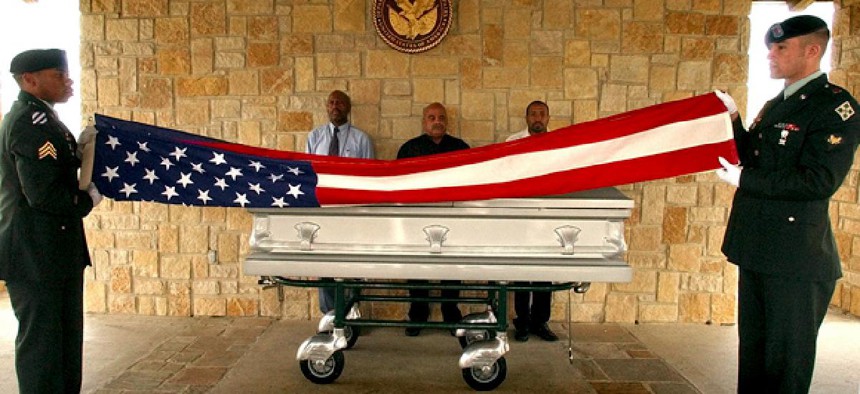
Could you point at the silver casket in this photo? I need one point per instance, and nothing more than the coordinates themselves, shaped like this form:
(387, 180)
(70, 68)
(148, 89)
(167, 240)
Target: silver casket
(563, 238)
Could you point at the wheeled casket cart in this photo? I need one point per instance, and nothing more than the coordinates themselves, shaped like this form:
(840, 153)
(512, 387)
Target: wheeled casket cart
(493, 245)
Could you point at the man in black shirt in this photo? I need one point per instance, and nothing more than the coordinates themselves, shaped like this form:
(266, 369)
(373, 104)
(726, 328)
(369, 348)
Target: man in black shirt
(435, 139)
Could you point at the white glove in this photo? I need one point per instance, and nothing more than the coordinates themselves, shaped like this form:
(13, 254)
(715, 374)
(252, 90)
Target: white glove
(94, 194)
(727, 100)
(88, 136)
(730, 173)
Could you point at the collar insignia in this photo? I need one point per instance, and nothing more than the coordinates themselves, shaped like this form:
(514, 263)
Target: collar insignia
(845, 111)
(47, 150)
(39, 117)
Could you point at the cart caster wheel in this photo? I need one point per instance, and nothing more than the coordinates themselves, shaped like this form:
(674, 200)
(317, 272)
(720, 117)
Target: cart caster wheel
(487, 379)
(324, 372)
(352, 334)
(473, 336)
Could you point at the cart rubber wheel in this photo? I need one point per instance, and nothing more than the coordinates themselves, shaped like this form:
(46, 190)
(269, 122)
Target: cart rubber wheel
(352, 333)
(467, 339)
(481, 380)
(325, 373)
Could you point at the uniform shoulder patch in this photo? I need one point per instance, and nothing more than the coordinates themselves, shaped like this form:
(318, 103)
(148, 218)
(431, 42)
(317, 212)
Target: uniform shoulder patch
(47, 150)
(845, 111)
(39, 117)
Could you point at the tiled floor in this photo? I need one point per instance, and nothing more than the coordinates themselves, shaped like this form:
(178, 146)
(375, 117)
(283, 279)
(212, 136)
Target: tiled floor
(134, 354)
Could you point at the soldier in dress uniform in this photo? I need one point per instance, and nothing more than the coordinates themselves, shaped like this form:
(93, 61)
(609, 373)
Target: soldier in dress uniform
(43, 250)
(793, 159)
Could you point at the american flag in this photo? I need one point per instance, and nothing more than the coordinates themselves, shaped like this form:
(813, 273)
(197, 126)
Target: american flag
(139, 162)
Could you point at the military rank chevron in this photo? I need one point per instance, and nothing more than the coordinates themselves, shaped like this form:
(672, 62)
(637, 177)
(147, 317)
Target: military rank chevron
(47, 150)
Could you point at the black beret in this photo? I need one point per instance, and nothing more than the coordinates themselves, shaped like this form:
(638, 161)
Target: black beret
(38, 59)
(800, 25)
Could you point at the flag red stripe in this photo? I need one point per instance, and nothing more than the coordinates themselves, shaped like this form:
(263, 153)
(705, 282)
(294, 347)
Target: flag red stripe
(612, 127)
(617, 173)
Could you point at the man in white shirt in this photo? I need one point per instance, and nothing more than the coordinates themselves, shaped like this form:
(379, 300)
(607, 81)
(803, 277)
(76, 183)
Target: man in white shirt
(533, 307)
(338, 138)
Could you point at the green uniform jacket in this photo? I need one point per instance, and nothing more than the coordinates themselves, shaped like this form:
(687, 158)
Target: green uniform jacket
(795, 156)
(41, 209)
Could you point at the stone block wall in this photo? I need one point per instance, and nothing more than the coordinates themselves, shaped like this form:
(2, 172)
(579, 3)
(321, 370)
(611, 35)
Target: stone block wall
(258, 72)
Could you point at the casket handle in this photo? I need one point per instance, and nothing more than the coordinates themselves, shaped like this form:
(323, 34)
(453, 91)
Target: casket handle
(436, 234)
(567, 236)
(307, 233)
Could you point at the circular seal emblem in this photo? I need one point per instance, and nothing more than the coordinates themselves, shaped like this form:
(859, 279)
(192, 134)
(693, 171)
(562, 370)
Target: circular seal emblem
(412, 26)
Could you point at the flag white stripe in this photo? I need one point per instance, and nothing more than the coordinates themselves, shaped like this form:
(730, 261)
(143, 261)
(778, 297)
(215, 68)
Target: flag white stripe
(663, 139)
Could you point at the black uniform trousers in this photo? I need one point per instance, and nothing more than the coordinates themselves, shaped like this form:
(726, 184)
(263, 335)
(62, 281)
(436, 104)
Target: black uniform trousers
(50, 337)
(778, 321)
(419, 311)
(532, 307)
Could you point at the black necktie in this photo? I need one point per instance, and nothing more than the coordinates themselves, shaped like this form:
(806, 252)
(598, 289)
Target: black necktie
(334, 146)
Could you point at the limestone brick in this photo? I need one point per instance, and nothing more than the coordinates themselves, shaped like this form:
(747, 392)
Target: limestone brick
(192, 112)
(338, 65)
(584, 110)
(399, 107)
(722, 25)
(123, 30)
(598, 24)
(262, 54)
(193, 239)
(613, 99)
(242, 306)
(708, 214)
(694, 75)
(365, 91)
(723, 308)
(646, 238)
(105, 6)
(168, 238)
(644, 281)
(179, 306)
(207, 19)
(249, 7)
(705, 282)
(228, 60)
(682, 195)
(145, 8)
(349, 15)
(684, 257)
(238, 220)
(668, 285)
(228, 248)
(171, 30)
(628, 69)
(694, 307)
(675, 225)
(580, 83)
(641, 37)
(476, 130)
(729, 69)
(471, 73)
(429, 90)
(658, 313)
(121, 304)
(243, 82)
(697, 48)
(145, 263)
(173, 61)
(295, 121)
(276, 80)
(263, 28)
(206, 287)
(477, 105)
(297, 44)
(621, 308)
(587, 312)
(210, 307)
(662, 78)
(149, 287)
(577, 53)
(546, 71)
(685, 23)
(312, 19)
(126, 240)
(468, 15)
(95, 297)
(201, 86)
(648, 10)
(175, 267)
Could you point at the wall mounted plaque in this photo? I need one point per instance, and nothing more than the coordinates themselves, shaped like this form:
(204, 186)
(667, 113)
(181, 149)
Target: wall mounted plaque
(412, 26)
